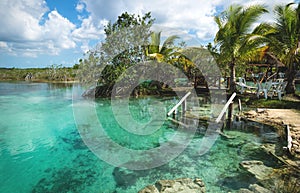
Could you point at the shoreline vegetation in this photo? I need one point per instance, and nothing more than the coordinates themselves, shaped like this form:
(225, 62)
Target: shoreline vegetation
(53, 74)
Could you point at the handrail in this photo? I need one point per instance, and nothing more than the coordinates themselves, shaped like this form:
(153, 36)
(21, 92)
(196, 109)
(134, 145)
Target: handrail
(179, 103)
(225, 107)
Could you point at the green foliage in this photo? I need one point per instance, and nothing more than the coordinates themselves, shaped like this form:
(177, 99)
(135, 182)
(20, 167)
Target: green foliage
(124, 46)
(162, 53)
(283, 39)
(51, 73)
(126, 21)
(277, 104)
(234, 40)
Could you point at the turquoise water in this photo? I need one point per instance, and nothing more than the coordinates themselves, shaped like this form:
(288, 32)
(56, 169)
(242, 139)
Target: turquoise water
(41, 149)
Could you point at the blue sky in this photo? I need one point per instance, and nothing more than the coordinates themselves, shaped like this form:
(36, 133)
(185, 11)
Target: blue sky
(39, 33)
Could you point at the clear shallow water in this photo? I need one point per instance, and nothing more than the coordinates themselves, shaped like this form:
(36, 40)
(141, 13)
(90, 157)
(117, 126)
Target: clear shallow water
(41, 149)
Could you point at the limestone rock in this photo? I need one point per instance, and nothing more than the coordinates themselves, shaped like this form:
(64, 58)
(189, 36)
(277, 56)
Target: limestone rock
(250, 114)
(183, 185)
(243, 190)
(149, 189)
(258, 110)
(258, 189)
(254, 188)
(258, 169)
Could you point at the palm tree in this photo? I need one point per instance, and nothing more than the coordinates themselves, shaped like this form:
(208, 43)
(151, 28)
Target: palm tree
(162, 53)
(284, 40)
(234, 39)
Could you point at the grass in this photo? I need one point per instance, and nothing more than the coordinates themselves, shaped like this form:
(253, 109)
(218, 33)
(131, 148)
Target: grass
(276, 104)
(288, 102)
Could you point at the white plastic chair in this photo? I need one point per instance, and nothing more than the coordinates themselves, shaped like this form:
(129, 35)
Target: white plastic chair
(264, 89)
(268, 89)
(282, 90)
(260, 89)
(279, 90)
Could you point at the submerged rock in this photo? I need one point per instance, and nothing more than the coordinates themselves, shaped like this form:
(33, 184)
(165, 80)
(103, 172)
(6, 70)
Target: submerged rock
(258, 169)
(183, 185)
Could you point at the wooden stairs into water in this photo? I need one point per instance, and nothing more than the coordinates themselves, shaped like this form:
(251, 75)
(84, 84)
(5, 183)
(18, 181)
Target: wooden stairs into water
(190, 116)
(195, 112)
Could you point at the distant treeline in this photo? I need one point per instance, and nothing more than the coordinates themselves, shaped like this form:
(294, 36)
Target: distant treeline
(52, 73)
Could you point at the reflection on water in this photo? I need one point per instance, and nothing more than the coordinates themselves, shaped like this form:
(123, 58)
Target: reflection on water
(41, 149)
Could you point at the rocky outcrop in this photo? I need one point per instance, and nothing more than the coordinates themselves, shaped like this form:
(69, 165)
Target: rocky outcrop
(281, 118)
(183, 185)
(254, 188)
(258, 169)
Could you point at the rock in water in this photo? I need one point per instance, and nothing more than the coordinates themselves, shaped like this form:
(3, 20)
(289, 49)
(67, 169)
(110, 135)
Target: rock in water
(183, 185)
(258, 169)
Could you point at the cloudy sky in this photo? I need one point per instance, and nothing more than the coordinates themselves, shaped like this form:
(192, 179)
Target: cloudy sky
(39, 33)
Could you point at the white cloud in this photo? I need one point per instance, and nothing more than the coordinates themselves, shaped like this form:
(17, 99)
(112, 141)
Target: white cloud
(59, 29)
(22, 28)
(89, 29)
(80, 7)
(196, 15)
(175, 15)
(20, 19)
(3, 44)
(29, 28)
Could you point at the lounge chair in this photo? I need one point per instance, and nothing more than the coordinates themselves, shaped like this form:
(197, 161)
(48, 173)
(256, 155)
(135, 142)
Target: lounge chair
(242, 84)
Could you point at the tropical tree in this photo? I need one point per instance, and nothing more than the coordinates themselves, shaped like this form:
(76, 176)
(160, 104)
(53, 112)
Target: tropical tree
(284, 39)
(124, 46)
(162, 53)
(234, 40)
(169, 53)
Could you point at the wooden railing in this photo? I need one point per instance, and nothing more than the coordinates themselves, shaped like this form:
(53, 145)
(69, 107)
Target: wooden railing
(181, 102)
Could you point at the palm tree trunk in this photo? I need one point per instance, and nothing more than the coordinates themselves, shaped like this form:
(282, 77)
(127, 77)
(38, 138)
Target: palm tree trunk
(232, 77)
(290, 87)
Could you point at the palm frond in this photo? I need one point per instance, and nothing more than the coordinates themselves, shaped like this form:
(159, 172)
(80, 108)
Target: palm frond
(169, 42)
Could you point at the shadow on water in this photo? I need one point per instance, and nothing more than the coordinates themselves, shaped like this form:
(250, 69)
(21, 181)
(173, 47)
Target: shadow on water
(236, 182)
(78, 176)
(68, 179)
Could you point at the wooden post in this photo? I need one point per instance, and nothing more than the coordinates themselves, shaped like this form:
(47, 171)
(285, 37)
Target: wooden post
(228, 82)
(184, 107)
(240, 105)
(229, 116)
(174, 113)
(289, 139)
(238, 117)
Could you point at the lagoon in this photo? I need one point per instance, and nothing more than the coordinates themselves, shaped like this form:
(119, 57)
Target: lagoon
(42, 149)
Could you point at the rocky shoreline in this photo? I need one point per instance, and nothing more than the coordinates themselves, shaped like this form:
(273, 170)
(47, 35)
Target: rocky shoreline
(283, 179)
(182, 185)
(280, 119)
